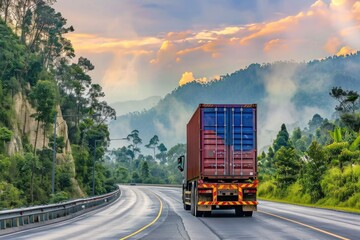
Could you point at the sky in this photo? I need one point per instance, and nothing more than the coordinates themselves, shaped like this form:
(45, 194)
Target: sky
(143, 48)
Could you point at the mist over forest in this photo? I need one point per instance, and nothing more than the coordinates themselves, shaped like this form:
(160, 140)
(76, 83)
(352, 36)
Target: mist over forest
(286, 92)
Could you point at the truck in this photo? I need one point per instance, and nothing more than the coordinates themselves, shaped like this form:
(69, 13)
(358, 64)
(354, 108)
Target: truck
(220, 168)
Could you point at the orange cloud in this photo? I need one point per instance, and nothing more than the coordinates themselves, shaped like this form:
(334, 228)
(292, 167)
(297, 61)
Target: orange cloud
(178, 35)
(186, 78)
(189, 77)
(94, 43)
(271, 45)
(332, 45)
(345, 51)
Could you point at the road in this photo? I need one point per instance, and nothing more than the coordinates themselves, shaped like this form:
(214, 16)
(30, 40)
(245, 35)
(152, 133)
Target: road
(144, 212)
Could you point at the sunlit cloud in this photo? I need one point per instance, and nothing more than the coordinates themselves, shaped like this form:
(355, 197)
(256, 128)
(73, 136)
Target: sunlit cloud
(345, 51)
(189, 77)
(94, 43)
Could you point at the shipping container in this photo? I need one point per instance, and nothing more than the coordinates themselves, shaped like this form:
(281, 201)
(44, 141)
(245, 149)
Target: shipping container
(221, 142)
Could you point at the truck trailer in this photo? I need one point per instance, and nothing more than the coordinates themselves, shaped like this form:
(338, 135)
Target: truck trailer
(220, 168)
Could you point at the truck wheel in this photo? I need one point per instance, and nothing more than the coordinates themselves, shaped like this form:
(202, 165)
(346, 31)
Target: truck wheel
(239, 212)
(197, 213)
(207, 214)
(187, 207)
(248, 214)
(192, 206)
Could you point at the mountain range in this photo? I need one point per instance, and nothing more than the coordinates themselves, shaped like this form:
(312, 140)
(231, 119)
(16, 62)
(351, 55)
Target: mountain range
(123, 108)
(286, 92)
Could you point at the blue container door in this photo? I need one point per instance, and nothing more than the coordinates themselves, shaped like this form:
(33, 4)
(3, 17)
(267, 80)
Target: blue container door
(228, 141)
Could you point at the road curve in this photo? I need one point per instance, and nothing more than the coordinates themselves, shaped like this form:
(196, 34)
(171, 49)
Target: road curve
(147, 212)
(135, 209)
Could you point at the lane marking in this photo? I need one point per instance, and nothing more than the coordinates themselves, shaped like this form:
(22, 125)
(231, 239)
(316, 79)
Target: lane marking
(305, 225)
(145, 227)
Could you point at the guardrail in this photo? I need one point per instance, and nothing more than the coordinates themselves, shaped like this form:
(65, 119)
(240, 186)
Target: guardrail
(25, 218)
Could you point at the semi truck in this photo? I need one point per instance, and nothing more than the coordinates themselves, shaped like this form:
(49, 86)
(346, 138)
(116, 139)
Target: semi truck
(220, 168)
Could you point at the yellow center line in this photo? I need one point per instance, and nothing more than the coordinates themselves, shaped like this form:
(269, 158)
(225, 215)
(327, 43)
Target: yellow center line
(305, 225)
(145, 227)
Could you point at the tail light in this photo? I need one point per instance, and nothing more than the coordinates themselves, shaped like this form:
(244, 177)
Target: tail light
(250, 191)
(205, 191)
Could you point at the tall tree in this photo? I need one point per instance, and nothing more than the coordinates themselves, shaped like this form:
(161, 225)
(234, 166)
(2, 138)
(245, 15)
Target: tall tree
(162, 155)
(153, 143)
(282, 139)
(44, 94)
(287, 166)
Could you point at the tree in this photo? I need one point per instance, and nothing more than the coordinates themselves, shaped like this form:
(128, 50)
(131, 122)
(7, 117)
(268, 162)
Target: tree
(349, 103)
(162, 154)
(144, 170)
(315, 122)
(348, 99)
(153, 143)
(44, 95)
(314, 170)
(134, 140)
(33, 165)
(282, 139)
(287, 166)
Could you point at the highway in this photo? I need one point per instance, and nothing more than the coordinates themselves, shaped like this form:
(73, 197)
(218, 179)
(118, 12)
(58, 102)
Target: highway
(147, 212)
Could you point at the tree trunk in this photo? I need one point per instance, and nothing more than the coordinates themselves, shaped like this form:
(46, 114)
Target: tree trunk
(32, 184)
(36, 136)
(24, 126)
(44, 129)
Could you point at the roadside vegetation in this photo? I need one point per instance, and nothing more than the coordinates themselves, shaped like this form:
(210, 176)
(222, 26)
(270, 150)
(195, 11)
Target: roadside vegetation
(130, 165)
(38, 63)
(318, 165)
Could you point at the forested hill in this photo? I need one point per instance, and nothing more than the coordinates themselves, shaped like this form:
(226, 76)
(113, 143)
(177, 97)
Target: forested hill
(41, 80)
(285, 92)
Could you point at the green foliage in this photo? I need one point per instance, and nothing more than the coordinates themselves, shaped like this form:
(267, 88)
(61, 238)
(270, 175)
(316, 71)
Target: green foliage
(282, 139)
(5, 134)
(59, 197)
(324, 170)
(287, 166)
(10, 196)
(313, 171)
(315, 122)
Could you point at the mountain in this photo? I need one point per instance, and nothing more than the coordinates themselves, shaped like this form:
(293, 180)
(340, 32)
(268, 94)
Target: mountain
(123, 108)
(286, 92)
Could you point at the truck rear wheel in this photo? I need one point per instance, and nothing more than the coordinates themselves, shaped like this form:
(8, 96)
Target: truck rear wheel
(248, 214)
(239, 212)
(194, 200)
(197, 213)
(187, 207)
(192, 206)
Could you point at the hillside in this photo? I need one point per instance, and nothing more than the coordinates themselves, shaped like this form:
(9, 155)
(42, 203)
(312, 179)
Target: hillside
(286, 92)
(51, 114)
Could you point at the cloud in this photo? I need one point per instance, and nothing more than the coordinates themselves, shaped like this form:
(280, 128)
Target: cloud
(274, 45)
(345, 51)
(166, 53)
(145, 56)
(332, 45)
(94, 43)
(189, 77)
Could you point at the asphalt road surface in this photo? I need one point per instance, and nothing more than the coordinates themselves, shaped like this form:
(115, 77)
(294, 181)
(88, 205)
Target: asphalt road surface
(147, 212)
